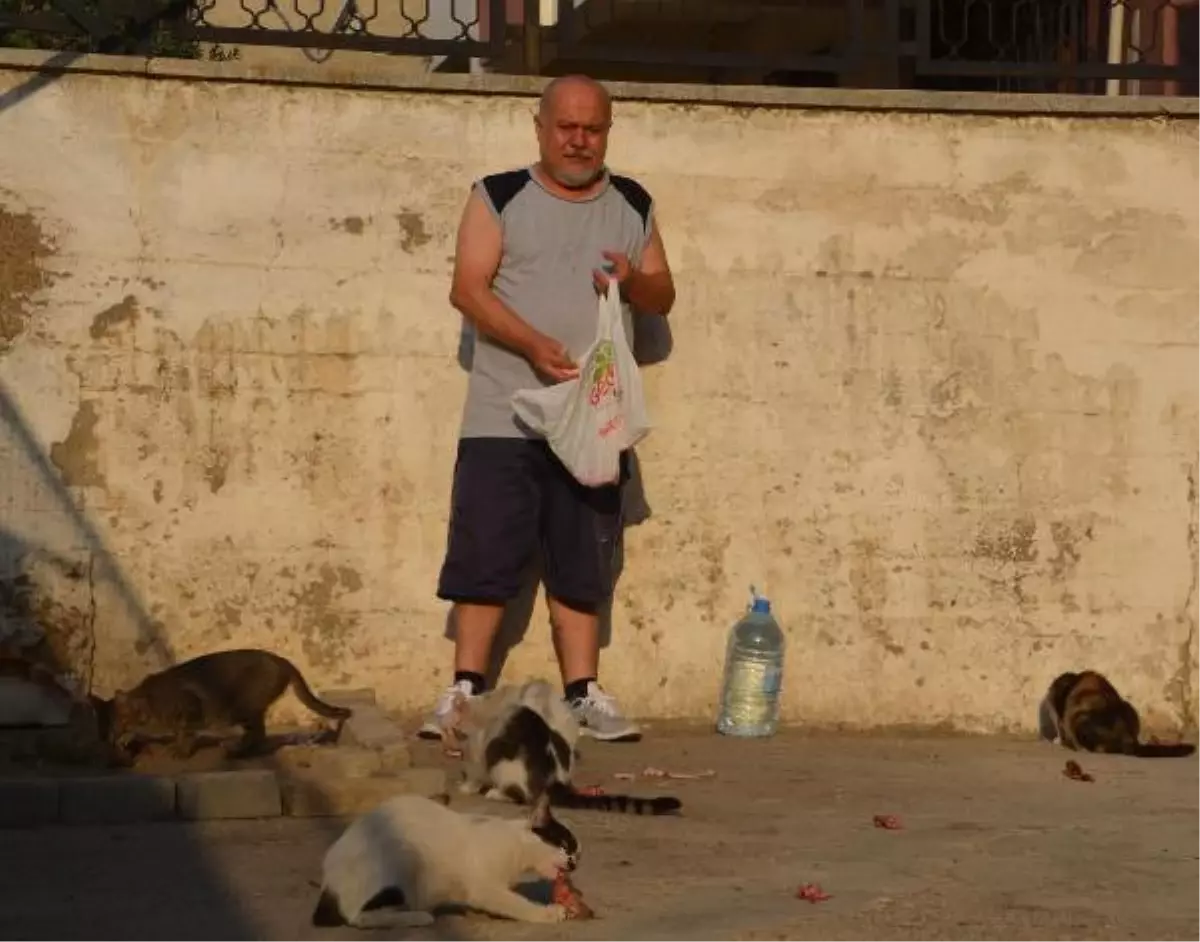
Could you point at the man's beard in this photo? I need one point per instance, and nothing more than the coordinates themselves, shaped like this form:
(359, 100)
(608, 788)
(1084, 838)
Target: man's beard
(578, 181)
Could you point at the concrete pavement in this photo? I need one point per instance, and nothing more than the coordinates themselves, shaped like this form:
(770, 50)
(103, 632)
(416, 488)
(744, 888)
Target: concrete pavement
(996, 843)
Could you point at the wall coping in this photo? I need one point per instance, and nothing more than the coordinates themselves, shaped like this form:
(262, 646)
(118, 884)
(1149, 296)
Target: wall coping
(384, 76)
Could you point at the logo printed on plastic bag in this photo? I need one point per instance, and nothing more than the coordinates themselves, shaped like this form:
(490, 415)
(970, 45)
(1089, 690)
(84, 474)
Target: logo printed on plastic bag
(604, 374)
(605, 386)
(589, 420)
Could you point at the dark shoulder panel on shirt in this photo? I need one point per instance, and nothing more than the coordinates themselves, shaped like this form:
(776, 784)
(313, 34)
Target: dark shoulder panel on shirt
(635, 195)
(502, 188)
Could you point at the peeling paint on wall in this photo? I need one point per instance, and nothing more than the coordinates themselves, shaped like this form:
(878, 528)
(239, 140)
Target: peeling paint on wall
(77, 456)
(323, 624)
(412, 231)
(215, 467)
(106, 323)
(1009, 541)
(48, 611)
(24, 252)
(351, 224)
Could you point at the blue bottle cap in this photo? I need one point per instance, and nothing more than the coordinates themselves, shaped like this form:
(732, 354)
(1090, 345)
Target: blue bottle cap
(761, 605)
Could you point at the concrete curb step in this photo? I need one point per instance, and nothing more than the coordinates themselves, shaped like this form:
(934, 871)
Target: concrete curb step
(201, 796)
(373, 764)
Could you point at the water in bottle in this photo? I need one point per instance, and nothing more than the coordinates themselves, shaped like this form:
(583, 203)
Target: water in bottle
(753, 673)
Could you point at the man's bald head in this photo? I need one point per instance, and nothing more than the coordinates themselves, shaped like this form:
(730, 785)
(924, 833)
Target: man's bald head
(571, 86)
(572, 121)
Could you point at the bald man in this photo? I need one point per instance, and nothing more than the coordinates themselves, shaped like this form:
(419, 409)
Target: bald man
(535, 245)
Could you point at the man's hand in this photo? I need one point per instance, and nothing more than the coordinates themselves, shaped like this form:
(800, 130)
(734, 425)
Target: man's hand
(551, 359)
(621, 272)
(649, 287)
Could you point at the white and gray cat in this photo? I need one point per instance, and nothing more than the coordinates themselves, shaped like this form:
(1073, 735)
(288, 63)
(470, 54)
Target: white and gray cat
(521, 745)
(410, 855)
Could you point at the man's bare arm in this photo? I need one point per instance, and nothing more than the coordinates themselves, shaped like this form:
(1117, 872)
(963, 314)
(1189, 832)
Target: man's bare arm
(650, 287)
(476, 260)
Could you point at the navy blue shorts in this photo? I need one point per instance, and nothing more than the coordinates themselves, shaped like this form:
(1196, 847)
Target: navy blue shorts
(512, 497)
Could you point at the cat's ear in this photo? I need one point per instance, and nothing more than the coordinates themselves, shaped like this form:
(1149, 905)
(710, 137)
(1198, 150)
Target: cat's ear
(540, 816)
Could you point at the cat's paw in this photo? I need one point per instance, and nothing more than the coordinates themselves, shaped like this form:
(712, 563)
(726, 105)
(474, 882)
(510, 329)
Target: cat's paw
(555, 912)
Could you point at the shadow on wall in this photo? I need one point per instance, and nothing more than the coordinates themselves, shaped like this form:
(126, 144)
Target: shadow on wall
(34, 621)
(52, 562)
(47, 73)
(653, 343)
(49, 537)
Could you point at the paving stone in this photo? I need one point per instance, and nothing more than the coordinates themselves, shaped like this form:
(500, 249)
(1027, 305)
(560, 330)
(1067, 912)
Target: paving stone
(249, 793)
(349, 697)
(370, 727)
(328, 761)
(394, 758)
(310, 797)
(116, 799)
(28, 802)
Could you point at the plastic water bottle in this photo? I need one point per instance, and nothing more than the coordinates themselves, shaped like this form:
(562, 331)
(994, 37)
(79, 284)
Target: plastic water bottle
(753, 673)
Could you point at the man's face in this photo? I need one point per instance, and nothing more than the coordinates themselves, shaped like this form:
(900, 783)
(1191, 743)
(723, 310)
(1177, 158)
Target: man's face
(573, 134)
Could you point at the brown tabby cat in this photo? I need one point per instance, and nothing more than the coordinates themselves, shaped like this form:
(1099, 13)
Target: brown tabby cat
(1084, 712)
(212, 691)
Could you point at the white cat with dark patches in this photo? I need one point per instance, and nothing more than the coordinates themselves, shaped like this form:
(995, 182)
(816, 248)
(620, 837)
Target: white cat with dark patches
(399, 862)
(539, 731)
(521, 745)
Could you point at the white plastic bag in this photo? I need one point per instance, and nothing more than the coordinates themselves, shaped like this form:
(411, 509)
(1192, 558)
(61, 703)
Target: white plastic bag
(590, 420)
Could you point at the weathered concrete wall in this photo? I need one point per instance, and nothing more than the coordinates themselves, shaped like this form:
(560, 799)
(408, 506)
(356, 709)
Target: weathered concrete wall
(933, 387)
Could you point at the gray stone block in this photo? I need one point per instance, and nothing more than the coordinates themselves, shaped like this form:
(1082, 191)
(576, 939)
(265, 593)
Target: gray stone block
(116, 799)
(28, 802)
(250, 793)
(328, 761)
(349, 697)
(432, 783)
(311, 797)
(394, 758)
(370, 728)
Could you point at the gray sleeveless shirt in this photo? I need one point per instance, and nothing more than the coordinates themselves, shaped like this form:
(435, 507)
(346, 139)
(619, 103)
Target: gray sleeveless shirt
(550, 247)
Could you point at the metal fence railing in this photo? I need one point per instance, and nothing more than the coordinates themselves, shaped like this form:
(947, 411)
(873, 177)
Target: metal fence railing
(1081, 46)
(805, 37)
(1055, 45)
(177, 27)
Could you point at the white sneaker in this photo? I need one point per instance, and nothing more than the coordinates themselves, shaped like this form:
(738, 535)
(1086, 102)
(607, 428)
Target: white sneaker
(599, 717)
(435, 723)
